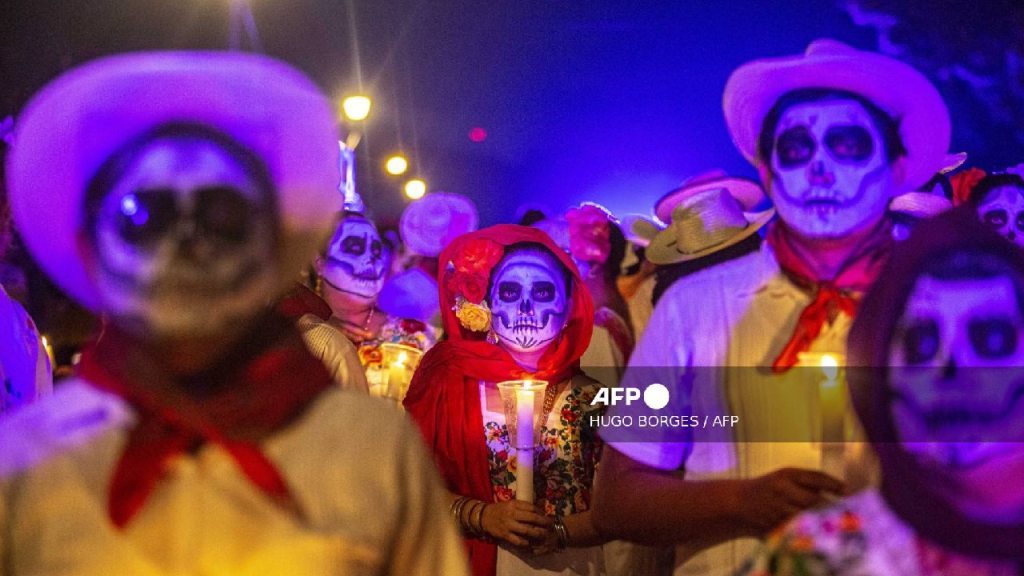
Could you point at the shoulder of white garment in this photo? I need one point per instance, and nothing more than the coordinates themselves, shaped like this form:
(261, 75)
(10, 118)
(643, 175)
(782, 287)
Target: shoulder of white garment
(740, 276)
(75, 414)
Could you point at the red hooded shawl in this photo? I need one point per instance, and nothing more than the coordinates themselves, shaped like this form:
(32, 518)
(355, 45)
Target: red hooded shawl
(444, 396)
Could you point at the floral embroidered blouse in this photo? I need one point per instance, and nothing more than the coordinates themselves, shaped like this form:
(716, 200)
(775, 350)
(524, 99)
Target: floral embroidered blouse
(859, 536)
(568, 449)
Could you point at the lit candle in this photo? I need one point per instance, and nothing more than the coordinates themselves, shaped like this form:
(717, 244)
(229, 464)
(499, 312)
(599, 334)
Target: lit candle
(832, 399)
(397, 376)
(524, 442)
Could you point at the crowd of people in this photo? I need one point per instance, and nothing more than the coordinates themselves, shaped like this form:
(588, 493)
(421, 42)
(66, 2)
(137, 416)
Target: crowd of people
(278, 385)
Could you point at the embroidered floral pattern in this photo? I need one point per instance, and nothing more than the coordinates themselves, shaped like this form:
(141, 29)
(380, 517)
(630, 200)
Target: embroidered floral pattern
(566, 458)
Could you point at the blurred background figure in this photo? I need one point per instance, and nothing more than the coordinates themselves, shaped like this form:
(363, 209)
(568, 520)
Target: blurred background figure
(25, 366)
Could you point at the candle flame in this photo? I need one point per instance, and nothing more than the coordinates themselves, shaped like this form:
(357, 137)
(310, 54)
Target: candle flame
(830, 367)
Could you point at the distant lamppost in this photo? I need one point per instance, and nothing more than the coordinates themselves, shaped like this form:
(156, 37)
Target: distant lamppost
(415, 189)
(396, 165)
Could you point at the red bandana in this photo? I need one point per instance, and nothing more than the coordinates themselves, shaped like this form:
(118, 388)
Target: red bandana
(444, 397)
(842, 293)
(264, 385)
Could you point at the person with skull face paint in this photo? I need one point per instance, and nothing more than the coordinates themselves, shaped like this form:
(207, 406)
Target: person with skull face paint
(937, 356)
(999, 200)
(835, 134)
(351, 275)
(514, 307)
(199, 435)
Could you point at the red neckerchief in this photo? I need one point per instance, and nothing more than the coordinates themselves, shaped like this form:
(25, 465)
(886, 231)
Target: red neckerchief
(444, 396)
(264, 385)
(841, 293)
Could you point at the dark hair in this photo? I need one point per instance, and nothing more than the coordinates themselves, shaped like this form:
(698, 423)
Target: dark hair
(992, 181)
(886, 125)
(616, 253)
(667, 275)
(531, 217)
(114, 167)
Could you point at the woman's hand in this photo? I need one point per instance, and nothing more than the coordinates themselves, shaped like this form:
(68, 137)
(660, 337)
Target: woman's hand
(515, 522)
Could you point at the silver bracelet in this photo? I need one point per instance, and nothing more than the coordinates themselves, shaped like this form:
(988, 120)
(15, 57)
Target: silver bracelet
(562, 534)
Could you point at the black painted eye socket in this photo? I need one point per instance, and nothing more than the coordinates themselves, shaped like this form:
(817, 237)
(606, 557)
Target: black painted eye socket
(920, 342)
(353, 245)
(543, 292)
(993, 338)
(376, 248)
(850, 143)
(995, 218)
(224, 213)
(795, 147)
(1020, 221)
(144, 217)
(509, 291)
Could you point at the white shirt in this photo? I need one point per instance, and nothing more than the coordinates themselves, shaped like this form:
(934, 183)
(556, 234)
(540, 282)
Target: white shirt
(372, 498)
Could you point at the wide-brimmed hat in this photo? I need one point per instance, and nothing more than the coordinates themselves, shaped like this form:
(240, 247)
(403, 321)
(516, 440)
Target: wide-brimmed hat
(430, 223)
(410, 294)
(703, 224)
(74, 124)
(640, 229)
(749, 193)
(894, 86)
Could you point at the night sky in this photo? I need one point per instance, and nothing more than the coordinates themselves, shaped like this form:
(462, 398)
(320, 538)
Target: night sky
(614, 102)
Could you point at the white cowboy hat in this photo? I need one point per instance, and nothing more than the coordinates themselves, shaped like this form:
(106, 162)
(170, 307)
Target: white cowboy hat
(430, 223)
(896, 87)
(80, 119)
(704, 224)
(749, 193)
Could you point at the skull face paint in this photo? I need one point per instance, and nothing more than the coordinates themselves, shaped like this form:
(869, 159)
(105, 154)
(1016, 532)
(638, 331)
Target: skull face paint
(1002, 209)
(356, 260)
(829, 172)
(958, 389)
(185, 240)
(528, 300)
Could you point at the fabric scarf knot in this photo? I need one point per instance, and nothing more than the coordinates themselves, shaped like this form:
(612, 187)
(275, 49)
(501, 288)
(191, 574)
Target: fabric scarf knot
(268, 388)
(840, 294)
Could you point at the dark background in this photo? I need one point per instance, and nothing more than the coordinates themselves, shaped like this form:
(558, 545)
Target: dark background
(614, 102)
(581, 99)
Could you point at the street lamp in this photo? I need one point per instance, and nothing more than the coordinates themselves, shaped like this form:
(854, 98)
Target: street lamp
(396, 165)
(415, 189)
(356, 107)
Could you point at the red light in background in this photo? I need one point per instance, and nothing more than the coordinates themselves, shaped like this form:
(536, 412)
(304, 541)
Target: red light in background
(477, 134)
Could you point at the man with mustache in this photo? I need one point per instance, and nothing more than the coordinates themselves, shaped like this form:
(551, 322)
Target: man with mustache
(835, 134)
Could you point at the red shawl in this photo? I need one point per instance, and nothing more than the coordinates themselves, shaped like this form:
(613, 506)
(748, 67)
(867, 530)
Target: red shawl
(264, 384)
(444, 396)
(841, 293)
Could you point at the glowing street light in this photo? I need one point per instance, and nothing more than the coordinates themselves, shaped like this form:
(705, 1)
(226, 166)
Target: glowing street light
(415, 189)
(396, 165)
(357, 107)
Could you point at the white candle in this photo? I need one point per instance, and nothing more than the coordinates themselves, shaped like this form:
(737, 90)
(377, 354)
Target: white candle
(524, 443)
(396, 377)
(832, 398)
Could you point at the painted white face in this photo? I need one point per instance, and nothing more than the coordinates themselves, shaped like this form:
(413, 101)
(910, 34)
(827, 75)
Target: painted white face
(185, 242)
(356, 260)
(1002, 209)
(528, 300)
(829, 173)
(957, 378)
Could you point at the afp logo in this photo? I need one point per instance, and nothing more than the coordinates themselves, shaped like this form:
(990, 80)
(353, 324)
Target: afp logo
(655, 396)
